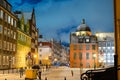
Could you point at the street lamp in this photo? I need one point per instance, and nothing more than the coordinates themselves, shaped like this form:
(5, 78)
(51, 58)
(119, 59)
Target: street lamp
(35, 56)
(94, 56)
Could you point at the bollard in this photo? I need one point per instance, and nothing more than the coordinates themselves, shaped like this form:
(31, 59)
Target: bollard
(45, 78)
(64, 78)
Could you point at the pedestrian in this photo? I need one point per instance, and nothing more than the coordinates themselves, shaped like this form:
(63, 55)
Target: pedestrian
(21, 71)
(39, 74)
(64, 78)
(45, 78)
(72, 72)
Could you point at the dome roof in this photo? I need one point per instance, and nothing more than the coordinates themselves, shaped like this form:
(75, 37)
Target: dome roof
(83, 27)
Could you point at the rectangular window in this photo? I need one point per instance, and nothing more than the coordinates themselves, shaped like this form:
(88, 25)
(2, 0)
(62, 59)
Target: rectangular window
(5, 31)
(14, 36)
(14, 47)
(8, 32)
(74, 56)
(11, 34)
(87, 40)
(80, 47)
(8, 19)
(75, 47)
(7, 61)
(94, 55)
(13, 60)
(0, 59)
(1, 14)
(87, 47)
(9, 8)
(93, 47)
(87, 56)
(0, 44)
(10, 46)
(12, 21)
(0, 28)
(7, 45)
(4, 4)
(80, 55)
(4, 60)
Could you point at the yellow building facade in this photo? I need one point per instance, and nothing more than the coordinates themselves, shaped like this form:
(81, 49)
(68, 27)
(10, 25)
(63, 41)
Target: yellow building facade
(23, 48)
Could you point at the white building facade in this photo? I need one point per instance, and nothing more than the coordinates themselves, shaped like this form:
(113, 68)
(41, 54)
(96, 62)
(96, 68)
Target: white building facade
(106, 49)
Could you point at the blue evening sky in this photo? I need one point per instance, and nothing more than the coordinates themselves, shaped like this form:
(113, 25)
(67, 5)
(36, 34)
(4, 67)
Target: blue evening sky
(57, 18)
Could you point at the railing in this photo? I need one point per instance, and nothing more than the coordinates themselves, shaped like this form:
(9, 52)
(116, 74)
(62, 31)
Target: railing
(100, 74)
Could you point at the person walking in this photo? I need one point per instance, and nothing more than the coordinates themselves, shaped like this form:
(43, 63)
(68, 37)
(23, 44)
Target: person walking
(39, 74)
(72, 72)
(21, 72)
(64, 78)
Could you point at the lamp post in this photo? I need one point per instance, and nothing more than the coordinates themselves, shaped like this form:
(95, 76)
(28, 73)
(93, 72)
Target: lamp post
(94, 57)
(35, 56)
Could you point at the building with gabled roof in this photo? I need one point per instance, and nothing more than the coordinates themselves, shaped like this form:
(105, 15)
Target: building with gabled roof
(27, 46)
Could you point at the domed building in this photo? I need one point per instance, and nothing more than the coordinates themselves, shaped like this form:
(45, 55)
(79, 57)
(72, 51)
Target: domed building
(83, 29)
(83, 48)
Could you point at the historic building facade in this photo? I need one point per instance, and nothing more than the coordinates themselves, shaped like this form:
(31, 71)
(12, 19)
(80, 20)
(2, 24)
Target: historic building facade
(27, 40)
(34, 36)
(23, 42)
(8, 32)
(83, 48)
(45, 52)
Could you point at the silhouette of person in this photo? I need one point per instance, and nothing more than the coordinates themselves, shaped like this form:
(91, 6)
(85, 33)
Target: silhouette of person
(21, 72)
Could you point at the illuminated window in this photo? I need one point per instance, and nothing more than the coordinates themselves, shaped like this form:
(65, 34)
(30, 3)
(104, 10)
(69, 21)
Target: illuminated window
(13, 60)
(8, 19)
(14, 36)
(4, 60)
(1, 14)
(11, 21)
(14, 23)
(87, 40)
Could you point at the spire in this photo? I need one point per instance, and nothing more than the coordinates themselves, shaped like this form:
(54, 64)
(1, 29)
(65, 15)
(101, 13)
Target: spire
(83, 21)
(33, 17)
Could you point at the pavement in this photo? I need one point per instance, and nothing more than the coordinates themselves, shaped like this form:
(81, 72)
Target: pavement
(54, 73)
